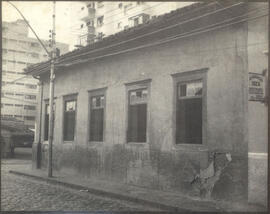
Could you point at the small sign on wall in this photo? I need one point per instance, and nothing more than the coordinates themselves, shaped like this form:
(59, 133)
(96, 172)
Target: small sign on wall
(256, 90)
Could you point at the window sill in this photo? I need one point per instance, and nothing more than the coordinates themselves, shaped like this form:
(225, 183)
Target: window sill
(95, 143)
(191, 147)
(138, 144)
(67, 141)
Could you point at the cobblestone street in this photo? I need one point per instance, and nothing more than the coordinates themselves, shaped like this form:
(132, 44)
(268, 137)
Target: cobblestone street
(20, 193)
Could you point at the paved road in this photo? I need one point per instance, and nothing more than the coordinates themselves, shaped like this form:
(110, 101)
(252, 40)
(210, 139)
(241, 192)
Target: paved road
(20, 193)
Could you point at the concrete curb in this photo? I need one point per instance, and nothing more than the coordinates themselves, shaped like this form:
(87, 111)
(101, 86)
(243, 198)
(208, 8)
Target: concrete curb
(104, 193)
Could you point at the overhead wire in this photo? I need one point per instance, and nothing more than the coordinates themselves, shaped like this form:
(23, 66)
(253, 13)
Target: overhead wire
(107, 12)
(157, 31)
(185, 35)
(129, 14)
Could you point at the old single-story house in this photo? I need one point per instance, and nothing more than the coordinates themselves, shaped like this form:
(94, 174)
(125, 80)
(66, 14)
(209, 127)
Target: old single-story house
(175, 104)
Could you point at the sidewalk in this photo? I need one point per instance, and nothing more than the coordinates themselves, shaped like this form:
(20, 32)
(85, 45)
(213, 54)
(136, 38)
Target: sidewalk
(163, 200)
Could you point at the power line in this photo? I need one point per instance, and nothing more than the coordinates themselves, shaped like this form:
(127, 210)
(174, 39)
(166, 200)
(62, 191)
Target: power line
(156, 31)
(129, 14)
(79, 33)
(170, 39)
(112, 10)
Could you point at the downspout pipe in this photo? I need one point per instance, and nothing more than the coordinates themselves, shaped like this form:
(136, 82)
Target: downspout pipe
(38, 152)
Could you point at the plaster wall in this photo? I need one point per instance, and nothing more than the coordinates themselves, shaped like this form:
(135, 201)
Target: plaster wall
(258, 111)
(160, 163)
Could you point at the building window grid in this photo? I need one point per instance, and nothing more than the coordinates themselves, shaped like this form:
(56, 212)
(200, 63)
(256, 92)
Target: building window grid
(30, 97)
(29, 107)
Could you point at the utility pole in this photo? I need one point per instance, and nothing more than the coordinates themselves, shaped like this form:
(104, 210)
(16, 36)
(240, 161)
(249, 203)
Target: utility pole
(52, 57)
(51, 122)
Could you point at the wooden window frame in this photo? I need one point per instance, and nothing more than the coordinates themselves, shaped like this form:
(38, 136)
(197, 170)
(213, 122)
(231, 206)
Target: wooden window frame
(46, 102)
(69, 97)
(186, 77)
(133, 86)
(93, 93)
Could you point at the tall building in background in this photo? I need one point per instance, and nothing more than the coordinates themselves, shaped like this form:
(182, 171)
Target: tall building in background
(100, 19)
(19, 98)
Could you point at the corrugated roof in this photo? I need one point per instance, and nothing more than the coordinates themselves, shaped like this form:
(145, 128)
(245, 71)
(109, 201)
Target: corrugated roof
(143, 34)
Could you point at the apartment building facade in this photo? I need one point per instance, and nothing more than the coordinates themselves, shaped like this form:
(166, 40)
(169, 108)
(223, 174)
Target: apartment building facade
(103, 18)
(19, 92)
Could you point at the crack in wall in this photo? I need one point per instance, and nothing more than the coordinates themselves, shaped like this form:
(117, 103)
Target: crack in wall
(208, 177)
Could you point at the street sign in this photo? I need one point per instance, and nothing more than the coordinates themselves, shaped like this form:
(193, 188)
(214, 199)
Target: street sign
(256, 90)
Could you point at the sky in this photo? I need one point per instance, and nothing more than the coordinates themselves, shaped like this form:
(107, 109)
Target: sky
(39, 15)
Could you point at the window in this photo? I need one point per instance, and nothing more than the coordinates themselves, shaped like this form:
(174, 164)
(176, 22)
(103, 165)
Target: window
(34, 44)
(30, 97)
(19, 83)
(23, 63)
(91, 5)
(189, 113)
(119, 25)
(97, 105)
(29, 107)
(9, 93)
(11, 72)
(8, 83)
(35, 55)
(136, 21)
(190, 107)
(69, 119)
(100, 4)
(100, 21)
(127, 7)
(29, 118)
(7, 115)
(8, 104)
(18, 105)
(13, 40)
(90, 23)
(19, 95)
(137, 115)
(31, 86)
